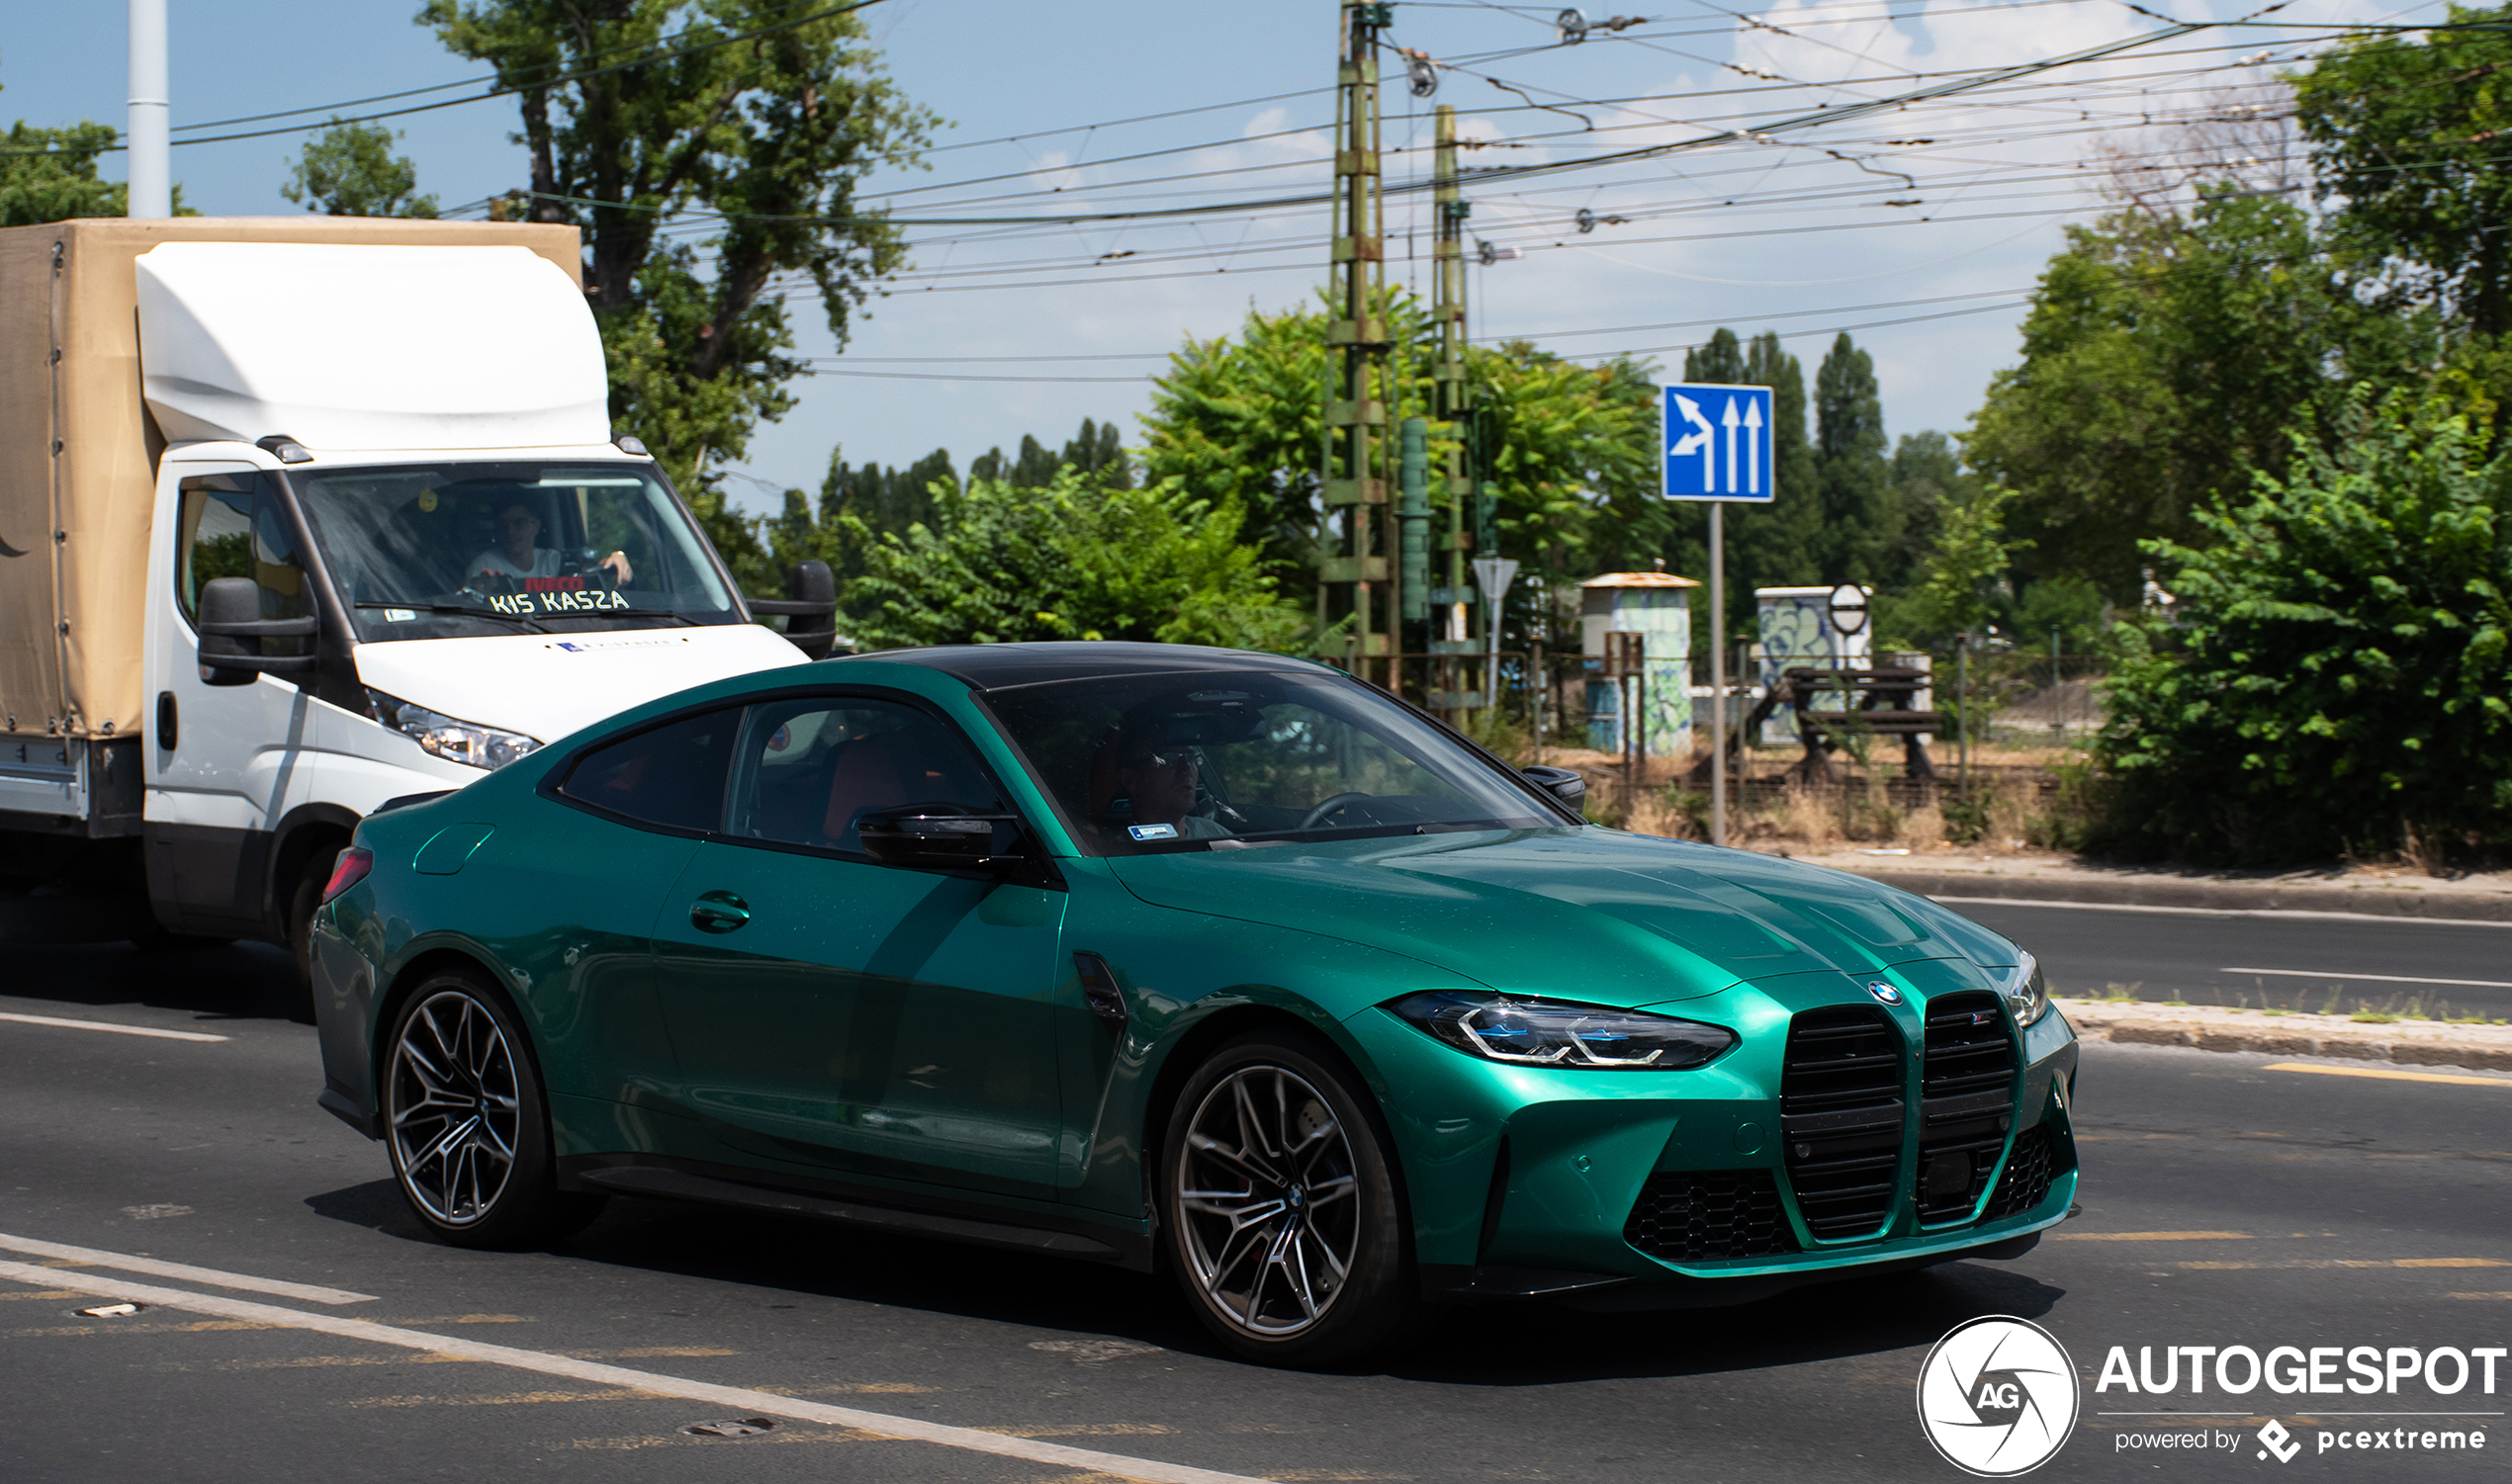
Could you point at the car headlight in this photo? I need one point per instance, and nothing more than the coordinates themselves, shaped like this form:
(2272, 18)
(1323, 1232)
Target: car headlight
(2026, 992)
(466, 743)
(1562, 1033)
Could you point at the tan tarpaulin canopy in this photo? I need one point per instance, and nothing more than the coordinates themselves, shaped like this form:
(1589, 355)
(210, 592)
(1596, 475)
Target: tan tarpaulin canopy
(78, 450)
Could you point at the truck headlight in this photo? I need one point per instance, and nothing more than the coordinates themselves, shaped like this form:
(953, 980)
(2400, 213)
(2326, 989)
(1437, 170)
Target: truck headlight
(2025, 991)
(1563, 1033)
(466, 743)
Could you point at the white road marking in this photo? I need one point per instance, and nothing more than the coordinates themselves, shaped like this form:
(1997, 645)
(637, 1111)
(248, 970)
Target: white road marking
(2389, 1076)
(2324, 974)
(96, 1258)
(124, 1030)
(2394, 919)
(739, 1400)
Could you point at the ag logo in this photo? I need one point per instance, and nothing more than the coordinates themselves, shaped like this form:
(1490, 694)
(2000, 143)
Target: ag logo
(1998, 1397)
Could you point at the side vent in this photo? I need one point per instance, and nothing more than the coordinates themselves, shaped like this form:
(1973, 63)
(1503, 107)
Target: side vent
(1706, 1216)
(1840, 1116)
(1966, 1091)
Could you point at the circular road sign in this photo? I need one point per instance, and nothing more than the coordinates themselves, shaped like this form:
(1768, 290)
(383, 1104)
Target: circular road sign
(1849, 608)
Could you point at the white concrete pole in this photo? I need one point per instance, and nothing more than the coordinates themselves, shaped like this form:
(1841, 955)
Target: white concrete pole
(152, 169)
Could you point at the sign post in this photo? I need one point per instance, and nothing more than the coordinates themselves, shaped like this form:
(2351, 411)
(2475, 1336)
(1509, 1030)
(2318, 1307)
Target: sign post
(1493, 574)
(1719, 450)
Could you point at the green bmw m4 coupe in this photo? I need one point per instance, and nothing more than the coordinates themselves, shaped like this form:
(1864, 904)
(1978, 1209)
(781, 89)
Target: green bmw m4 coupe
(1173, 958)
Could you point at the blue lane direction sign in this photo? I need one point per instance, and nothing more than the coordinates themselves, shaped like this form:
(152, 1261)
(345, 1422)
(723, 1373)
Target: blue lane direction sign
(1719, 443)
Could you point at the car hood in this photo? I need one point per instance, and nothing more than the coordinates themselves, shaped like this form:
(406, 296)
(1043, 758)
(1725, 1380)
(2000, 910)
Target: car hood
(1588, 914)
(547, 685)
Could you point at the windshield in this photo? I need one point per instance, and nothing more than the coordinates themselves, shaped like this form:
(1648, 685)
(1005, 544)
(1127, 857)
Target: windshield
(1203, 762)
(433, 550)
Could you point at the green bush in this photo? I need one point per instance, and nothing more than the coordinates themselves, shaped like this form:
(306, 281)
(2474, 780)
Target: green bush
(2334, 677)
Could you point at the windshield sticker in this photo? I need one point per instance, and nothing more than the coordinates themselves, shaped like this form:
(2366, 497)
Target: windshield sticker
(578, 600)
(400, 615)
(427, 501)
(1152, 831)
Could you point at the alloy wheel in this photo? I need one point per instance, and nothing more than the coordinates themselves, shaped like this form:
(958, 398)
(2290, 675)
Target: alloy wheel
(1267, 1201)
(456, 1109)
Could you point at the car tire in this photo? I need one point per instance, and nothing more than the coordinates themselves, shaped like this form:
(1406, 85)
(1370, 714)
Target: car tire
(466, 1123)
(1276, 1170)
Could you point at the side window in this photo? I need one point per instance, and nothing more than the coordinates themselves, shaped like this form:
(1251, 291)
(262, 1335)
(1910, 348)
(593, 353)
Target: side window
(671, 775)
(229, 525)
(809, 769)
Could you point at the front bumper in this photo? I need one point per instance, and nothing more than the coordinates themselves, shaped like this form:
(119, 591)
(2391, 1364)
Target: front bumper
(1746, 1176)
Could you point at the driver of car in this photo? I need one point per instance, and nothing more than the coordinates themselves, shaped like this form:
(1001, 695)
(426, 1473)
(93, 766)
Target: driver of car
(517, 553)
(1140, 781)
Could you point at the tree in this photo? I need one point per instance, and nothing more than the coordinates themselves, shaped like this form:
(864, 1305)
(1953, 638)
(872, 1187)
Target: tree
(1959, 587)
(2337, 668)
(2165, 359)
(1566, 452)
(350, 170)
(2407, 140)
(1853, 489)
(49, 174)
(635, 111)
(1074, 560)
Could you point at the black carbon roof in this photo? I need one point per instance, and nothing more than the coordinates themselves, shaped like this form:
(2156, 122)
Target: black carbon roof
(998, 666)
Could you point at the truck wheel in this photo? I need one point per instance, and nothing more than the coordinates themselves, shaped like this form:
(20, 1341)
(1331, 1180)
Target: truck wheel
(466, 1124)
(1280, 1207)
(303, 899)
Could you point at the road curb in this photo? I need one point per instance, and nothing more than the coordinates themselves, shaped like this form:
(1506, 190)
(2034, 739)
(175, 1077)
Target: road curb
(2412, 1043)
(2140, 890)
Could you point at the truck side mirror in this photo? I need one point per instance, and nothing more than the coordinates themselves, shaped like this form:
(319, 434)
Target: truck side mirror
(809, 607)
(225, 602)
(1561, 783)
(231, 629)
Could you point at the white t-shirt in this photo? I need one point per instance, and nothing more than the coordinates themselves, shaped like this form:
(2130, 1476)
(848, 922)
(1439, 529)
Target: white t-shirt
(492, 562)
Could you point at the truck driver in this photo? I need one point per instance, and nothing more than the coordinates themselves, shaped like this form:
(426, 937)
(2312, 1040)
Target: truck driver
(517, 554)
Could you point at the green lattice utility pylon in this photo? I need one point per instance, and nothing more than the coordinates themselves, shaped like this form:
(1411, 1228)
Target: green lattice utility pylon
(1353, 568)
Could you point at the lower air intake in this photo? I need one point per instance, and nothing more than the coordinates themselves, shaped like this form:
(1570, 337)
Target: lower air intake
(1705, 1215)
(2029, 1173)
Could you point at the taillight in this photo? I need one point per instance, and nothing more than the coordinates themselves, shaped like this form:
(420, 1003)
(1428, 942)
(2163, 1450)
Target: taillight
(348, 871)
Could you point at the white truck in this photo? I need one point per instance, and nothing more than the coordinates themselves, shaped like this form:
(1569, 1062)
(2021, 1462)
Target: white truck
(298, 516)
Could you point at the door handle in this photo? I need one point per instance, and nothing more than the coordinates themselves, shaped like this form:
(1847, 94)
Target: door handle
(718, 912)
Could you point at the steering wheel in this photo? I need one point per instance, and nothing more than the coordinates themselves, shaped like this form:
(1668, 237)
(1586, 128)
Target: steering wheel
(1328, 806)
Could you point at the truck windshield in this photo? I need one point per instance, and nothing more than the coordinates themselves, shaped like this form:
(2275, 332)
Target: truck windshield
(434, 550)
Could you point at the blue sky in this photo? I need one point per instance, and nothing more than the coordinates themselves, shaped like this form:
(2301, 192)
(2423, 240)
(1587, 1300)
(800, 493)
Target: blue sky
(1938, 217)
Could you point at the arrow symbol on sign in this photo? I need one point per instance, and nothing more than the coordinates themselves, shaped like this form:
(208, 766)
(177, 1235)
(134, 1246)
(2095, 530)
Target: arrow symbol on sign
(1754, 447)
(1694, 443)
(1730, 420)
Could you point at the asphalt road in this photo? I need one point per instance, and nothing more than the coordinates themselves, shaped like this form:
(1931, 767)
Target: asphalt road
(2227, 1201)
(2292, 961)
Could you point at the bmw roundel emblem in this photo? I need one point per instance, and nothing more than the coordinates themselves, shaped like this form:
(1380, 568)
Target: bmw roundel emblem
(1885, 992)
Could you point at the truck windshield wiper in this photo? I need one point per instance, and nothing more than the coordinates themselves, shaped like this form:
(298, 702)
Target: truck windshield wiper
(461, 608)
(672, 613)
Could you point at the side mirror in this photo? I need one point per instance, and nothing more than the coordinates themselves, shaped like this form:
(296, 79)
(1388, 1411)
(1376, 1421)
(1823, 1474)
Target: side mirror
(935, 837)
(1561, 783)
(232, 630)
(810, 608)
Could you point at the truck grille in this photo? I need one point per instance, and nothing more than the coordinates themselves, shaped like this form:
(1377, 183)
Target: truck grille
(1966, 1104)
(1841, 1116)
(2029, 1173)
(1704, 1215)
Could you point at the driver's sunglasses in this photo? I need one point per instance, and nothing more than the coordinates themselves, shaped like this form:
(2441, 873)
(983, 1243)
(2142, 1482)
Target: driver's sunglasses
(518, 522)
(1175, 758)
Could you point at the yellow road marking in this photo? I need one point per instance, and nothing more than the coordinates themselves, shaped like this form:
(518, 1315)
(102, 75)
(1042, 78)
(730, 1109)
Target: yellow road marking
(462, 1319)
(1088, 1430)
(2389, 1076)
(2153, 1236)
(46, 1293)
(506, 1399)
(61, 1331)
(2481, 1295)
(2351, 1262)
